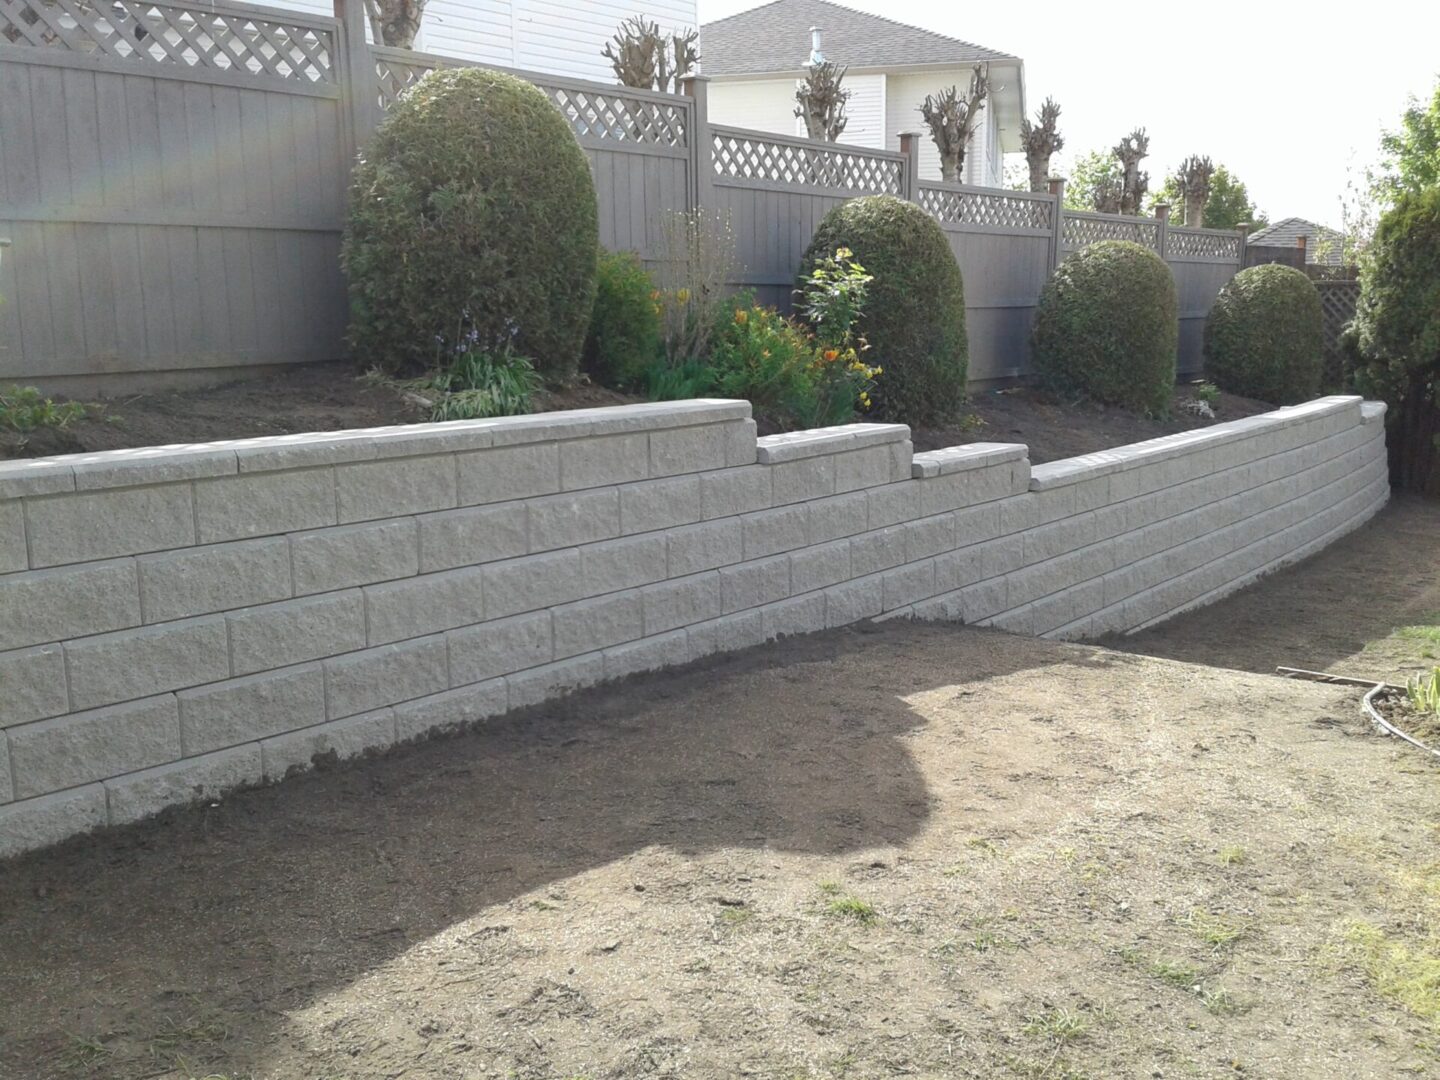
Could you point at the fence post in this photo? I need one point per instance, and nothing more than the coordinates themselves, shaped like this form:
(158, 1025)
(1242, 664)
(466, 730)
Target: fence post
(1243, 228)
(1057, 234)
(356, 70)
(702, 145)
(910, 179)
(1162, 230)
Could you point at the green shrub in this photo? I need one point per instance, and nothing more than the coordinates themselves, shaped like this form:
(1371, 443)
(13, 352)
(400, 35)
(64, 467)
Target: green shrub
(471, 211)
(24, 408)
(478, 385)
(1265, 334)
(624, 338)
(759, 355)
(1106, 327)
(1394, 341)
(914, 315)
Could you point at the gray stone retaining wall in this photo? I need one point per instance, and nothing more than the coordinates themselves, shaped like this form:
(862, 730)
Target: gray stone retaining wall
(176, 622)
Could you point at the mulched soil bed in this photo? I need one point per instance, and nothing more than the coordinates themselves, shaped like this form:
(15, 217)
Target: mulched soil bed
(1397, 710)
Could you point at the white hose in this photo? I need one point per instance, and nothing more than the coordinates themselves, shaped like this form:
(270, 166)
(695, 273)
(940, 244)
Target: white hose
(1367, 702)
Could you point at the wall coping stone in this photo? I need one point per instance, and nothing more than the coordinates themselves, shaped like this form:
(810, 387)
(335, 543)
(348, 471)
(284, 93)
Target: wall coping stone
(189, 461)
(1073, 470)
(818, 442)
(1372, 411)
(955, 459)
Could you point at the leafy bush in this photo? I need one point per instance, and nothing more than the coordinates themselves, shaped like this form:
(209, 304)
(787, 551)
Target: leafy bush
(1394, 341)
(1265, 336)
(471, 211)
(759, 355)
(478, 384)
(624, 337)
(1107, 329)
(914, 316)
(24, 408)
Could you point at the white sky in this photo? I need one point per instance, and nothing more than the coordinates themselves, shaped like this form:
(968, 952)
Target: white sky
(1290, 96)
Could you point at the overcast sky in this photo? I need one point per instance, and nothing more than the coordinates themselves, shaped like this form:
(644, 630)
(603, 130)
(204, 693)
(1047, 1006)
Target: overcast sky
(1290, 96)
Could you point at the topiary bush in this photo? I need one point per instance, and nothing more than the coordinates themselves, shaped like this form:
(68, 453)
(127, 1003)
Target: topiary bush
(1106, 327)
(472, 218)
(1394, 342)
(914, 317)
(624, 338)
(1265, 336)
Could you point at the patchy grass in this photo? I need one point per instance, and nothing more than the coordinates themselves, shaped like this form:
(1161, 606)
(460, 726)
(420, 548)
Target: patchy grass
(854, 909)
(1400, 967)
(1217, 931)
(1233, 856)
(1058, 1026)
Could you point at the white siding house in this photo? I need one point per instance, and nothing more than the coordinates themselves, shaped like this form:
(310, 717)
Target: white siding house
(554, 36)
(755, 58)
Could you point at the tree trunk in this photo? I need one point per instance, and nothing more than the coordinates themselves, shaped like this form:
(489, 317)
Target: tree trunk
(1040, 173)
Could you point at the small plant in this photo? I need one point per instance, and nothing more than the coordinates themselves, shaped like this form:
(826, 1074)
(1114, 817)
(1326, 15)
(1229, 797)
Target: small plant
(1214, 930)
(854, 909)
(1424, 693)
(24, 408)
(1209, 393)
(697, 260)
(1179, 975)
(624, 337)
(1058, 1026)
(661, 382)
(480, 383)
(1233, 856)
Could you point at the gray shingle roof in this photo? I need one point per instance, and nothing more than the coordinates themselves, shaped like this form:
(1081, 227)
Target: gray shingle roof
(776, 37)
(1287, 231)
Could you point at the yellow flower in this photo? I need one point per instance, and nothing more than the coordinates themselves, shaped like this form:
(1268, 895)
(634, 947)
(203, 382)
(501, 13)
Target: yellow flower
(843, 253)
(742, 317)
(683, 296)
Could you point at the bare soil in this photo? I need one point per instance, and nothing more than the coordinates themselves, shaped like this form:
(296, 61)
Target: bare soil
(888, 851)
(329, 397)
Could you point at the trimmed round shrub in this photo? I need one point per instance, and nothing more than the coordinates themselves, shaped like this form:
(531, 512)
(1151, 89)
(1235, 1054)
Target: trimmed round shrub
(914, 317)
(1106, 327)
(624, 337)
(1265, 336)
(472, 224)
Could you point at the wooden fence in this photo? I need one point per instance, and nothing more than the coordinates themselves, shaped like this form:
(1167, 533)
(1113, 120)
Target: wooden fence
(172, 175)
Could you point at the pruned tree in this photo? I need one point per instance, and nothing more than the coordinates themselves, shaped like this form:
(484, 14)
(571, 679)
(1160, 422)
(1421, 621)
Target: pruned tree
(1130, 151)
(1193, 180)
(1041, 141)
(821, 99)
(395, 22)
(952, 120)
(647, 59)
(1108, 191)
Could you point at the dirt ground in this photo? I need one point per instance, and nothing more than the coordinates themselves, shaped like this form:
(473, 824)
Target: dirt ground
(328, 397)
(902, 850)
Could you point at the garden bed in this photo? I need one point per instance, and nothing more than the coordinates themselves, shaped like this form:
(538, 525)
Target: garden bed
(328, 397)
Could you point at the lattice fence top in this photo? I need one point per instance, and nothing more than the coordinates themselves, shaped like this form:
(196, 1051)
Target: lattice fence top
(753, 156)
(1337, 302)
(599, 113)
(1007, 210)
(1202, 243)
(207, 37)
(1078, 230)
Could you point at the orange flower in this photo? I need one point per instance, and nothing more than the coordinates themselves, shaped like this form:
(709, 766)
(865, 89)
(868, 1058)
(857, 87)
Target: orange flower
(742, 317)
(830, 354)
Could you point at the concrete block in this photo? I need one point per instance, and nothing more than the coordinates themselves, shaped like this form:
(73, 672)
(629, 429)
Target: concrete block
(6, 791)
(753, 584)
(648, 654)
(690, 450)
(695, 548)
(952, 491)
(534, 582)
(729, 492)
(954, 570)
(819, 566)
(798, 615)
(261, 504)
(976, 524)
(220, 577)
(872, 552)
(453, 710)
(369, 490)
(681, 602)
(68, 528)
(769, 532)
(13, 555)
(595, 624)
(34, 685)
(727, 634)
(872, 466)
(838, 516)
(149, 465)
(902, 460)
(803, 479)
(28, 477)
(510, 472)
(374, 678)
(740, 444)
(967, 458)
(192, 780)
(70, 601)
(310, 628)
(243, 710)
(140, 663)
(338, 740)
(623, 564)
(327, 560)
(983, 599)
(555, 680)
(84, 747)
(574, 518)
(35, 823)
(1058, 537)
(472, 535)
(659, 504)
(500, 647)
(929, 536)
(415, 607)
(855, 600)
(894, 503)
(607, 459)
(907, 584)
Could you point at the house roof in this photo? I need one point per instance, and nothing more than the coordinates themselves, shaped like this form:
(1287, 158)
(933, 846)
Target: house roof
(1322, 245)
(775, 37)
